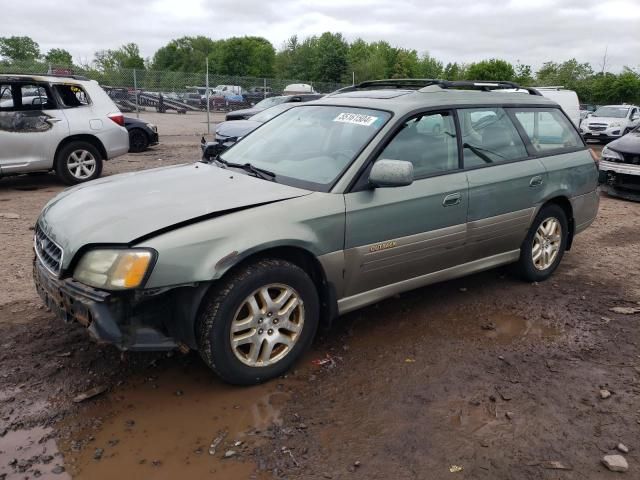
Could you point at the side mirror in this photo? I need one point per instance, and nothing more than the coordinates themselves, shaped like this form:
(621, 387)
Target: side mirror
(391, 173)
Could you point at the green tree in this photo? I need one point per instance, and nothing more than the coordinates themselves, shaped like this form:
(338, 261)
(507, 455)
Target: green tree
(563, 74)
(127, 56)
(331, 57)
(430, 67)
(246, 56)
(492, 69)
(454, 71)
(523, 75)
(19, 49)
(59, 56)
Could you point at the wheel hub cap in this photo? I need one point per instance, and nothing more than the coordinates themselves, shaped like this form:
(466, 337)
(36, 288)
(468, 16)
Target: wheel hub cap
(546, 243)
(81, 164)
(267, 325)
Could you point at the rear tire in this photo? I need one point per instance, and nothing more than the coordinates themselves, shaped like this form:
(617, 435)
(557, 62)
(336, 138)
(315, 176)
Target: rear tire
(544, 246)
(249, 330)
(138, 140)
(78, 162)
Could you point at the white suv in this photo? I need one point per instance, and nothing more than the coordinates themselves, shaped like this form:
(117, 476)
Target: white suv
(67, 124)
(610, 122)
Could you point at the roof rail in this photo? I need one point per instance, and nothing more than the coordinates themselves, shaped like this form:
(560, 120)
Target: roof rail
(57, 75)
(420, 83)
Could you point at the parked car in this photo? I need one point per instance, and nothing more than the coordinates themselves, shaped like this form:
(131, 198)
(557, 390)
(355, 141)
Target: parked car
(71, 126)
(257, 94)
(246, 113)
(610, 122)
(229, 132)
(620, 166)
(298, 88)
(141, 134)
(330, 206)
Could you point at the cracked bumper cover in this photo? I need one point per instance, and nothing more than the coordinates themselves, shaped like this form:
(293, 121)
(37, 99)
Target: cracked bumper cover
(137, 320)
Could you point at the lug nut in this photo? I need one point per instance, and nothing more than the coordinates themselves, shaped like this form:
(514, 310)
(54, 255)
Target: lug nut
(270, 331)
(260, 320)
(275, 320)
(260, 332)
(269, 314)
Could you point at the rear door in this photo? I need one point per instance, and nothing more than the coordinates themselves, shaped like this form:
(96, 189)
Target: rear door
(505, 183)
(395, 234)
(31, 126)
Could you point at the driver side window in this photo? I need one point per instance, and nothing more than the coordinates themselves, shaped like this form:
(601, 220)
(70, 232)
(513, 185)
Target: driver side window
(428, 141)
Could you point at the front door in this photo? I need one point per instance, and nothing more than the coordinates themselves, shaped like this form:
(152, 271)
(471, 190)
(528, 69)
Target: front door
(31, 127)
(395, 234)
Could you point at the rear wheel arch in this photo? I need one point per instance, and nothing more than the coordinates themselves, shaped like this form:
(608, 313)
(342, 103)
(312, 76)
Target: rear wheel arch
(564, 203)
(95, 141)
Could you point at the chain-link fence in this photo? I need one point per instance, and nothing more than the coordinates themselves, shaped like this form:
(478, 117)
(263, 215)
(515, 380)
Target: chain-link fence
(136, 90)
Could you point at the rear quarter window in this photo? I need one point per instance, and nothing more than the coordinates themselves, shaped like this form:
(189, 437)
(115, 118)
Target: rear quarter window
(71, 95)
(548, 129)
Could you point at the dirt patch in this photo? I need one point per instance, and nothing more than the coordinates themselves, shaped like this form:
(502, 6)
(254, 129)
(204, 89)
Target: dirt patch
(486, 374)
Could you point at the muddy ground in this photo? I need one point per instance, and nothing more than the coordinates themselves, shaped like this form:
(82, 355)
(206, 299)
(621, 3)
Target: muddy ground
(484, 377)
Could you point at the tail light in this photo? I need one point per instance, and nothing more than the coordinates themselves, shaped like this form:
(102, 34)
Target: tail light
(117, 118)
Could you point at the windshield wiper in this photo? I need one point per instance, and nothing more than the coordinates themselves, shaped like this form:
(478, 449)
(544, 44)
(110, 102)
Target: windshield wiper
(247, 167)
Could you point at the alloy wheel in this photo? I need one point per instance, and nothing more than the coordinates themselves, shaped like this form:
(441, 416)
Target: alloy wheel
(546, 243)
(81, 164)
(267, 325)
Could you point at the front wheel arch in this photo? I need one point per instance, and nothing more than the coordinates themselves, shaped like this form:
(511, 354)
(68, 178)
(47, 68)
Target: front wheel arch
(300, 257)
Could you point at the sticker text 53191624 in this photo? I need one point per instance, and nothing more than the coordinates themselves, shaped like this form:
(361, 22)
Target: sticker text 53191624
(355, 118)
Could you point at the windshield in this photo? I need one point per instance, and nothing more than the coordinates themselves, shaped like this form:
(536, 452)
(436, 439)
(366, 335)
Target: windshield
(612, 112)
(269, 113)
(309, 146)
(270, 102)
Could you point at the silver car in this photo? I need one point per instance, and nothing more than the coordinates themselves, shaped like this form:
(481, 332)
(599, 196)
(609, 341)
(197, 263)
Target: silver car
(330, 206)
(65, 124)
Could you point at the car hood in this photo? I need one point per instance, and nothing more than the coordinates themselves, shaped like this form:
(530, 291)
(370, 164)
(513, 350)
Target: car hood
(630, 143)
(236, 128)
(606, 120)
(244, 112)
(121, 209)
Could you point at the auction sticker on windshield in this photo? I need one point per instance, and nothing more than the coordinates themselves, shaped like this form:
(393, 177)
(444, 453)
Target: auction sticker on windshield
(356, 118)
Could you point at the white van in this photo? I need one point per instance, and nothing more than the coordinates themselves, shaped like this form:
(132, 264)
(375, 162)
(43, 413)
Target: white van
(567, 99)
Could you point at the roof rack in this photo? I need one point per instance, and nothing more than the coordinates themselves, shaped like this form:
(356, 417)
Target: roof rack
(421, 83)
(58, 75)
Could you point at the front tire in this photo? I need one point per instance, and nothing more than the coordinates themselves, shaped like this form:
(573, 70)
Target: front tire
(258, 321)
(138, 140)
(543, 248)
(78, 162)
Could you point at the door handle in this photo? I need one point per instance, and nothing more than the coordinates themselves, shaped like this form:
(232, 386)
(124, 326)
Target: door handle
(536, 181)
(451, 199)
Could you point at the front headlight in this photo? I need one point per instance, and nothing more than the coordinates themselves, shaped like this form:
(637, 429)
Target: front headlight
(608, 153)
(152, 127)
(114, 269)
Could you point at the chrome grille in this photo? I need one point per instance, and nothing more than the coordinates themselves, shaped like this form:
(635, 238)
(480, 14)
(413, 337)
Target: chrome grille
(597, 128)
(47, 251)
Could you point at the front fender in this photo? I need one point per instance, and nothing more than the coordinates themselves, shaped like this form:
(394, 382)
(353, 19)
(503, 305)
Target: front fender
(206, 250)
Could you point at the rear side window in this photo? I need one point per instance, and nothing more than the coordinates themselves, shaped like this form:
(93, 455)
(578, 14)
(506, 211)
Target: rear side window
(429, 142)
(24, 97)
(548, 129)
(72, 95)
(489, 137)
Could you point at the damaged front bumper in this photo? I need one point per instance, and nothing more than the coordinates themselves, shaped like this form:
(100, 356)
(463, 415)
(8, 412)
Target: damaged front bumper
(620, 179)
(162, 319)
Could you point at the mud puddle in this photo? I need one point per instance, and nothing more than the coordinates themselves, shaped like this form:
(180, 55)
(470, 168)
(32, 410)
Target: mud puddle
(30, 453)
(178, 424)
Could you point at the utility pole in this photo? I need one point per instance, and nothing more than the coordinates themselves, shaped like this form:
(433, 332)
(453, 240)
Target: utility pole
(207, 97)
(135, 91)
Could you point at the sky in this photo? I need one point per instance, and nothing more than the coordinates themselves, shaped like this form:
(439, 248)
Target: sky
(529, 31)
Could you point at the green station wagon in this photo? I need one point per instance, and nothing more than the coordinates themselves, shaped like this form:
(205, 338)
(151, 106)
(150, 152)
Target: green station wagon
(335, 204)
